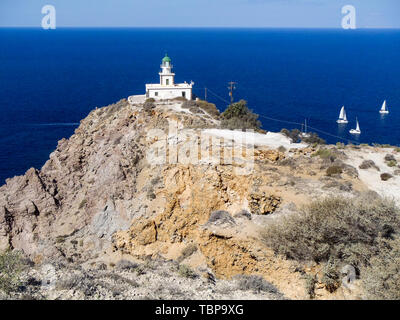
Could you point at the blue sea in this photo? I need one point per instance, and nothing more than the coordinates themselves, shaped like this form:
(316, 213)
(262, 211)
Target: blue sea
(51, 79)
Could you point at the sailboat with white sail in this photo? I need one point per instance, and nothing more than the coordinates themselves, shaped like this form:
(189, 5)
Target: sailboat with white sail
(305, 134)
(342, 116)
(357, 129)
(384, 109)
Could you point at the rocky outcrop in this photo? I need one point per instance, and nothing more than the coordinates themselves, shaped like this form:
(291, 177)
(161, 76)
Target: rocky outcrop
(104, 191)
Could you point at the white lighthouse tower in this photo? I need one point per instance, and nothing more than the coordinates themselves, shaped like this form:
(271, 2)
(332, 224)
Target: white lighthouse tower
(166, 74)
(167, 88)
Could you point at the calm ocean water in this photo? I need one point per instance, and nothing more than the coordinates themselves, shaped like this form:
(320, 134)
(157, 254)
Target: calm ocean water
(49, 80)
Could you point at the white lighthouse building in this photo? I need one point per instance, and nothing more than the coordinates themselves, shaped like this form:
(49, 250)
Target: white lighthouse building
(167, 88)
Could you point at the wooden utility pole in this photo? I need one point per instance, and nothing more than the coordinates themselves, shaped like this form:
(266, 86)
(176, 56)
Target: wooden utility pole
(231, 88)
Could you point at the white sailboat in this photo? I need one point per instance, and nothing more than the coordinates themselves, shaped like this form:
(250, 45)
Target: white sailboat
(342, 116)
(357, 129)
(384, 110)
(305, 134)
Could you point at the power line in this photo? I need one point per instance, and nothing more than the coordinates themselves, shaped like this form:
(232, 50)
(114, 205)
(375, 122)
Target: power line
(292, 122)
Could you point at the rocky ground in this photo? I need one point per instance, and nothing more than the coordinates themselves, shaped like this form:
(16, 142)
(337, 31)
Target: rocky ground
(114, 214)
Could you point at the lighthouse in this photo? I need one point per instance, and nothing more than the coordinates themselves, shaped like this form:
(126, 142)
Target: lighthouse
(166, 74)
(167, 88)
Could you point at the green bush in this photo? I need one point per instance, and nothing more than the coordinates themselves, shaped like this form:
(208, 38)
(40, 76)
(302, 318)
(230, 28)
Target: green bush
(11, 266)
(239, 116)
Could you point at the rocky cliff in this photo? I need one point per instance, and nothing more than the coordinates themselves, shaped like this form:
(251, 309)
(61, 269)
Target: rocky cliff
(150, 181)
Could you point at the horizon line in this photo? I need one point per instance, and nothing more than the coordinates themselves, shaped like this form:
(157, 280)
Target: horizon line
(195, 27)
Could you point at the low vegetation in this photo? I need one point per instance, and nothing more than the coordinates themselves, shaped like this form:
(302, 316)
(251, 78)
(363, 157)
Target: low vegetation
(333, 170)
(179, 99)
(208, 107)
(201, 107)
(186, 272)
(148, 107)
(256, 284)
(293, 134)
(367, 164)
(11, 266)
(239, 116)
(296, 136)
(340, 145)
(282, 149)
(187, 252)
(313, 138)
(381, 279)
(386, 176)
(391, 163)
(336, 232)
(323, 153)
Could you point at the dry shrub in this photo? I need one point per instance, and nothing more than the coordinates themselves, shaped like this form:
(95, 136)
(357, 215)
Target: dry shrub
(386, 176)
(346, 229)
(210, 108)
(366, 164)
(333, 170)
(381, 280)
(187, 252)
(361, 232)
(282, 149)
(255, 283)
(179, 99)
(323, 153)
(186, 272)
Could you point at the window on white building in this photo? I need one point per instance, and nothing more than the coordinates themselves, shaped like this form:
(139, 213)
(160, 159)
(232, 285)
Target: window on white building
(156, 93)
(184, 94)
(167, 82)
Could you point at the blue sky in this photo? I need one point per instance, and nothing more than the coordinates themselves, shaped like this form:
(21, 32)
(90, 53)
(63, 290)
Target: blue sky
(201, 13)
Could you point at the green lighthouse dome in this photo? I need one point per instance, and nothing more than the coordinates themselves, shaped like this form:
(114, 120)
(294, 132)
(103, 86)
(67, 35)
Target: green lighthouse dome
(166, 59)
